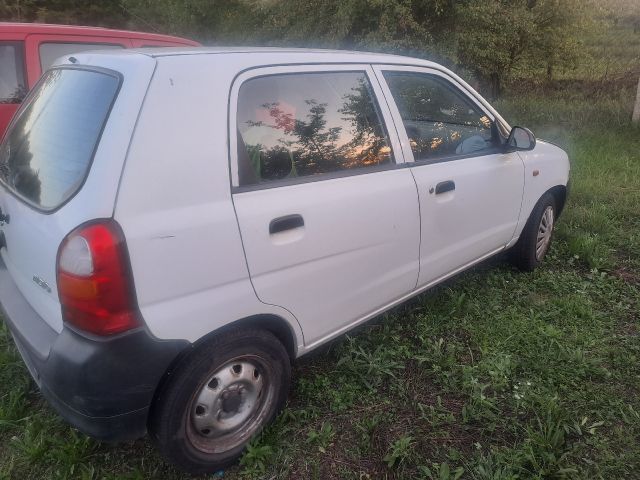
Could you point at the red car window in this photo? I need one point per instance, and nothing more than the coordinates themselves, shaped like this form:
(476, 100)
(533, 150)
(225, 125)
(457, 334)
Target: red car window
(12, 82)
(50, 51)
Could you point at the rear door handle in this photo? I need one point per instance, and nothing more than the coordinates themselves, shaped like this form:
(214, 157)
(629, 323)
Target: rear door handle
(288, 222)
(446, 186)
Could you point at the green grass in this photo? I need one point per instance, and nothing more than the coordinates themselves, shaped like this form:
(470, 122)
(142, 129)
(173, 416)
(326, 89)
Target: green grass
(494, 375)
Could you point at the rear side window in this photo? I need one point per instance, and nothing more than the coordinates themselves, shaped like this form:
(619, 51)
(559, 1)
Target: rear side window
(12, 82)
(47, 153)
(49, 52)
(303, 124)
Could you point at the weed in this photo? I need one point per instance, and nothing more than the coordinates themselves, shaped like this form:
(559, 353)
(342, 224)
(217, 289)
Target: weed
(256, 457)
(491, 468)
(441, 471)
(436, 415)
(371, 367)
(399, 451)
(321, 438)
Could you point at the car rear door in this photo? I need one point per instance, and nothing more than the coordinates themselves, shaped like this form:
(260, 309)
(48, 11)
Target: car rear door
(328, 214)
(470, 190)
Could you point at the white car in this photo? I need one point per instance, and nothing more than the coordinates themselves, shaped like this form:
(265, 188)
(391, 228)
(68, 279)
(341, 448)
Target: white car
(179, 225)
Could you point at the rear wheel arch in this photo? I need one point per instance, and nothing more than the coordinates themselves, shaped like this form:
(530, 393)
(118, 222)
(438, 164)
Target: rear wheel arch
(273, 324)
(182, 433)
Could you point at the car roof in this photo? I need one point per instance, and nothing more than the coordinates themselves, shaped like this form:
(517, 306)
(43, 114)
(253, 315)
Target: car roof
(50, 29)
(296, 55)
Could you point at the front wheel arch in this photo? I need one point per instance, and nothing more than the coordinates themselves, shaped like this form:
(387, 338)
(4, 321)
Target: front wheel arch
(559, 193)
(523, 254)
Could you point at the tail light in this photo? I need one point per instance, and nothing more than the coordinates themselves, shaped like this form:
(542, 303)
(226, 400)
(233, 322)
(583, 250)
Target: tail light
(94, 281)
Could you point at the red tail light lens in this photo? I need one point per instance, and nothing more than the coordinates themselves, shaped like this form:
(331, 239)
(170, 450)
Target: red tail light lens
(94, 281)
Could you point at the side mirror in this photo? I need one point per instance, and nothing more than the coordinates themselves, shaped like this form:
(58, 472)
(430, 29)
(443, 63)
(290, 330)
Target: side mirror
(520, 138)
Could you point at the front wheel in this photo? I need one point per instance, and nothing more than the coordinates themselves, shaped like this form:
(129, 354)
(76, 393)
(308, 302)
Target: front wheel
(535, 239)
(218, 398)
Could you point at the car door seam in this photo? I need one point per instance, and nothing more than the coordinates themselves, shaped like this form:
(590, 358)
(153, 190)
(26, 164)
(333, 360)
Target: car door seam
(408, 164)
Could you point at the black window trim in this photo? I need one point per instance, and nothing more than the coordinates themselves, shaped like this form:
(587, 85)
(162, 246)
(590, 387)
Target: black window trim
(21, 51)
(461, 156)
(105, 71)
(233, 146)
(320, 177)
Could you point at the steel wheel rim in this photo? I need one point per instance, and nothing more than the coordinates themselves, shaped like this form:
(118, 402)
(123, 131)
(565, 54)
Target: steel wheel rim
(545, 230)
(231, 405)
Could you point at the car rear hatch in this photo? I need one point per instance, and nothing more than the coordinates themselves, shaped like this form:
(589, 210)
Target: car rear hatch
(60, 165)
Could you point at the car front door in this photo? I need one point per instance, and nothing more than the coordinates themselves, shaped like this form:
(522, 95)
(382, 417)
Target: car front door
(470, 190)
(328, 215)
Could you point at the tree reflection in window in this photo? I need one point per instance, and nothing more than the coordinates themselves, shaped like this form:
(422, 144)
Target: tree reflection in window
(308, 124)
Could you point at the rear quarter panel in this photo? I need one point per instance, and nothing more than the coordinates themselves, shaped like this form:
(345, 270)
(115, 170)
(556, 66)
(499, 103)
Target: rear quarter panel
(175, 206)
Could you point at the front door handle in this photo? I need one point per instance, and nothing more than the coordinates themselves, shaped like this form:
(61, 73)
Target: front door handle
(288, 222)
(446, 186)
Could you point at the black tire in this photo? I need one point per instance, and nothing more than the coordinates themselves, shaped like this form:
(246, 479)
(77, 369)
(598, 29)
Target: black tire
(524, 254)
(173, 422)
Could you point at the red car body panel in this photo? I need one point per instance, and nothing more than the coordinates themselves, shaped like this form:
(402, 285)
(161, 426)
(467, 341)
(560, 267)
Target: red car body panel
(28, 37)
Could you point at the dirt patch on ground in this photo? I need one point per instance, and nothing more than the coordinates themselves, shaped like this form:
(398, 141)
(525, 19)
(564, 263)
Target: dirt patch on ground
(627, 274)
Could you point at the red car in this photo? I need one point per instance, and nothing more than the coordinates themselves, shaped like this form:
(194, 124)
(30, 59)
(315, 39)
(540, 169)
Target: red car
(28, 49)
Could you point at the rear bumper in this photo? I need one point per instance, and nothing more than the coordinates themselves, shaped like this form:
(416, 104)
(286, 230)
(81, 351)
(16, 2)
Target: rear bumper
(102, 386)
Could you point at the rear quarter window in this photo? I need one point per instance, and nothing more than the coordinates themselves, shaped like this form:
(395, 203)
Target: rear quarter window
(47, 153)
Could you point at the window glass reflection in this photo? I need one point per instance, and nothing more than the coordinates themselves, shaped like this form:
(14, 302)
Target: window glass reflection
(296, 125)
(439, 120)
(46, 154)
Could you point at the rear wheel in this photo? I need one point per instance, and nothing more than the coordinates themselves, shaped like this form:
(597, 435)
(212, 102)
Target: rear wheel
(535, 239)
(218, 398)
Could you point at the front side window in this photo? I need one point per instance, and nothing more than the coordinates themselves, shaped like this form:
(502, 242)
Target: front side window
(439, 120)
(304, 124)
(46, 154)
(49, 52)
(12, 82)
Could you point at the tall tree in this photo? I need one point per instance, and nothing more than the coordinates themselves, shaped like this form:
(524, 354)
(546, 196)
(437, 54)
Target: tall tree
(230, 21)
(495, 37)
(100, 13)
(407, 26)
